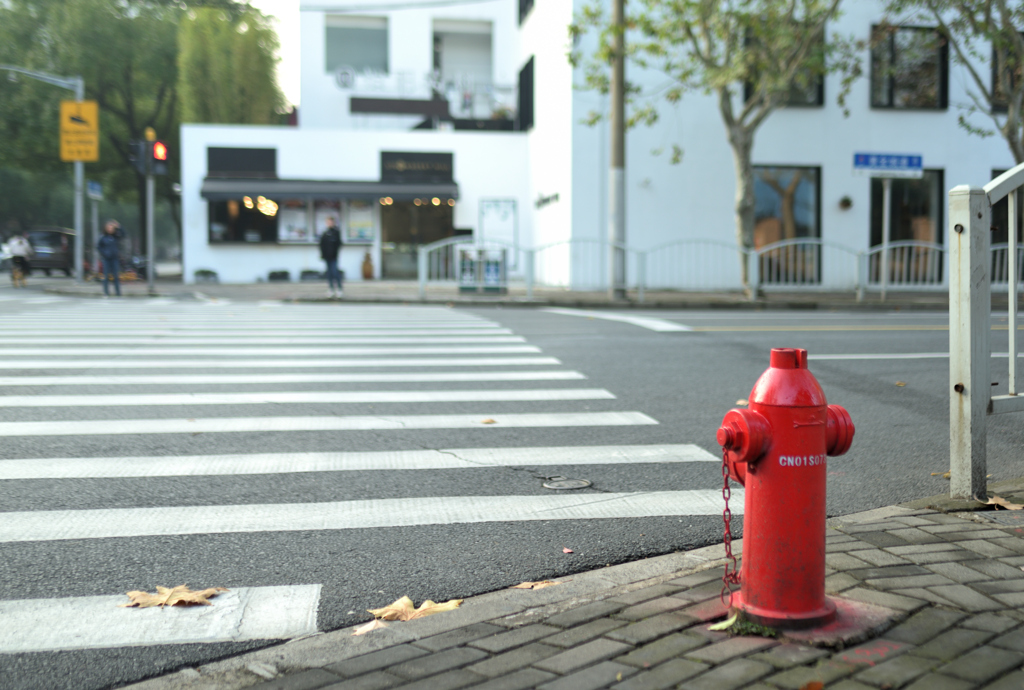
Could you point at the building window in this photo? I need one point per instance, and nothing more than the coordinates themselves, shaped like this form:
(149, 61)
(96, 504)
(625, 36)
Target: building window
(808, 87)
(787, 203)
(909, 68)
(249, 220)
(1011, 74)
(524, 113)
(524, 9)
(915, 217)
(462, 63)
(356, 43)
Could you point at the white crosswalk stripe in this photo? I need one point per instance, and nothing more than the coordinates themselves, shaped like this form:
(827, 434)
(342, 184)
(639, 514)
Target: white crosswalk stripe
(155, 375)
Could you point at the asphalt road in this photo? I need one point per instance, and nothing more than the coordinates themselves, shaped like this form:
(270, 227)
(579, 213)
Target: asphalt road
(58, 549)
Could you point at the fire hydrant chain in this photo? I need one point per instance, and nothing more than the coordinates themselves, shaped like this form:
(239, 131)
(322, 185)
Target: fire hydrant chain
(732, 575)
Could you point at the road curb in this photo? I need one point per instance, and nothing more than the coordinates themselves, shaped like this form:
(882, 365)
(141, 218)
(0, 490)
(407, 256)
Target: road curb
(523, 606)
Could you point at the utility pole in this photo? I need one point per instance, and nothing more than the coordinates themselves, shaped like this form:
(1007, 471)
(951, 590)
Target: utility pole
(76, 84)
(150, 194)
(617, 178)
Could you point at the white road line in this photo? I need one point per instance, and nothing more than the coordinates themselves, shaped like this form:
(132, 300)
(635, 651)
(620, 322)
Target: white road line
(332, 334)
(392, 512)
(220, 425)
(276, 363)
(303, 397)
(660, 325)
(172, 339)
(320, 377)
(899, 355)
(246, 613)
(282, 463)
(225, 351)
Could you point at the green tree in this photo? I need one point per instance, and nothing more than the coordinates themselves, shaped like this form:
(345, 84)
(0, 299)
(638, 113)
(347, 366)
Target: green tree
(753, 55)
(226, 64)
(986, 39)
(125, 51)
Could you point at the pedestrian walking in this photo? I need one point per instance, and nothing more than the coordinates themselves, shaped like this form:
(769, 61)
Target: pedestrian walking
(21, 251)
(330, 247)
(109, 249)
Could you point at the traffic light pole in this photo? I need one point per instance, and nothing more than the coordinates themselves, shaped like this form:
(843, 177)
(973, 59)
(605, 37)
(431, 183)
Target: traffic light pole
(150, 234)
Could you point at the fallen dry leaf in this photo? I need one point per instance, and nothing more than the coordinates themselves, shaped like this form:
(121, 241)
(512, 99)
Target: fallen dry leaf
(404, 610)
(176, 596)
(372, 625)
(813, 685)
(726, 624)
(998, 501)
(901, 384)
(488, 421)
(742, 402)
(566, 550)
(540, 584)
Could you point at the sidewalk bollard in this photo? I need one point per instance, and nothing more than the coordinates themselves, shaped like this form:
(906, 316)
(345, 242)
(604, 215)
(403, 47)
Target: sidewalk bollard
(777, 450)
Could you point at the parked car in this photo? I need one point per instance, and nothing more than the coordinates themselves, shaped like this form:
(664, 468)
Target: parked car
(54, 249)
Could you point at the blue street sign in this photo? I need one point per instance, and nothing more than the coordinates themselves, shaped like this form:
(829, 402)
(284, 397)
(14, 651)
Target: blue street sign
(888, 164)
(94, 190)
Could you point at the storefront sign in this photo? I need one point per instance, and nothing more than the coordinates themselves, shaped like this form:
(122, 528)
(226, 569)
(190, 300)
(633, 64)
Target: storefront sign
(415, 167)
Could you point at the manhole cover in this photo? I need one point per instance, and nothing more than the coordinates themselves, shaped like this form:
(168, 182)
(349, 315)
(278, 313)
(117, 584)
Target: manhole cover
(564, 483)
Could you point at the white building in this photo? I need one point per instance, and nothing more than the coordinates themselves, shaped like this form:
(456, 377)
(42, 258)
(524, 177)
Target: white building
(425, 122)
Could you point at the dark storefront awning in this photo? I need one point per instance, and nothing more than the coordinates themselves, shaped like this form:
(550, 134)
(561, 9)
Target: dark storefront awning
(220, 189)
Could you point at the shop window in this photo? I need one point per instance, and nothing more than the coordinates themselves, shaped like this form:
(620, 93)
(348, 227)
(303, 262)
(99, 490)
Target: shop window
(787, 203)
(248, 220)
(293, 222)
(524, 114)
(915, 217)
(356, 43)
(909, 68)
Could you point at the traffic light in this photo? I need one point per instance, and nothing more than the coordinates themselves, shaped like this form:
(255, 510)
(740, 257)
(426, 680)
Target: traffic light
(138, 155)
(158, 164)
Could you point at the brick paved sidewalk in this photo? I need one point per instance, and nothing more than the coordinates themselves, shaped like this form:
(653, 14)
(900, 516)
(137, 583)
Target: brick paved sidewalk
(952, 588)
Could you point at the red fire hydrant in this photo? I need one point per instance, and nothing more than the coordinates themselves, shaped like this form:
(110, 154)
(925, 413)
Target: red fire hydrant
(776, 449)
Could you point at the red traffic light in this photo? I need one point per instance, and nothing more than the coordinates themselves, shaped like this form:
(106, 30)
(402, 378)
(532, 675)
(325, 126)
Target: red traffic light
(159, 151)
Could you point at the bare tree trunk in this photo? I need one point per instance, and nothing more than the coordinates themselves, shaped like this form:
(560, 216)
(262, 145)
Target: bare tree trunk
(742, 143)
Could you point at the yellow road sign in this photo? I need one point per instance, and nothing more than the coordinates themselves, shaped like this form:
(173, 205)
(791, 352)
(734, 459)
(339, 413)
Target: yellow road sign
(79, 131)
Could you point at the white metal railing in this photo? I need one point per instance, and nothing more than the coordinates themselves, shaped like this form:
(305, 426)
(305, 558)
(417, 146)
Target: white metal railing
(807, 263)
(911, 265)
(1001, 265)
(438, 261)
(712, 265)
(687, 265)
(971, 275)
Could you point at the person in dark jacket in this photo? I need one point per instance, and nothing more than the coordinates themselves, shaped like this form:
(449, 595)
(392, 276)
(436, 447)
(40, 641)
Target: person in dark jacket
(330, 246)
(109, 249)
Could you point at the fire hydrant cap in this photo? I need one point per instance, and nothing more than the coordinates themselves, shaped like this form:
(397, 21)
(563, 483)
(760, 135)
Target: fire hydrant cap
(787, 381)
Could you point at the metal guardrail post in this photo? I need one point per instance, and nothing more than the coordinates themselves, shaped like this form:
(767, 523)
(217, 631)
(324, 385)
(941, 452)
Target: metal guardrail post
(641, 275)
(969, 355)
(530, 253)
(421, 270)
(862, 274)
(753, 270)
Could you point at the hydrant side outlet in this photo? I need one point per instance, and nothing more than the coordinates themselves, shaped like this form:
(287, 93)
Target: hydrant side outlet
(783, 571)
